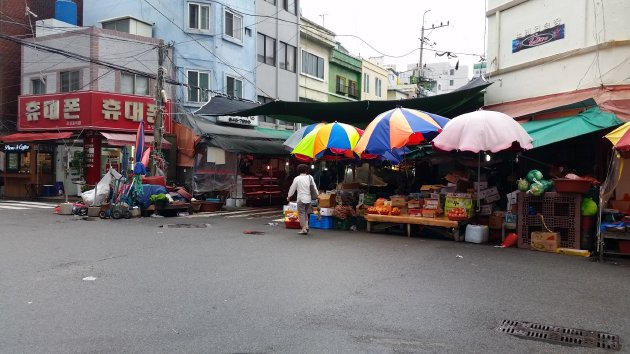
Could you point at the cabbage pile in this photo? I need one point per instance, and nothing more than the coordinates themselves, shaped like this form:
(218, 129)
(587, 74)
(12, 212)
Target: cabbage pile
(534, 183)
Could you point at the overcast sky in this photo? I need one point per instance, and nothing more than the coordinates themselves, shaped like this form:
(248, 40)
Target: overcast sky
(393, 27)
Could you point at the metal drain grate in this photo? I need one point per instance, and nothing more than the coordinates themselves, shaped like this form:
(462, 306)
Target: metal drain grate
(185, 226)
(560, 335)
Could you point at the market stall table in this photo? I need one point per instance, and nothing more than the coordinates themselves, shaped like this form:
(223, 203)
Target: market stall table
(442, 222)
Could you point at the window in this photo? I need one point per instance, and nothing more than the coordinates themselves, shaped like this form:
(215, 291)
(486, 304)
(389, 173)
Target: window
(378, 86)
(271, 2)
(289, 6)
(198, 86)
(38, 87)
(341, 85)
(266, 119)
(366, 83)
(286, 55)
(69, 81)
(352, 89)
(134, 84)
(234, 25)
(312, 65)
(451, 82)
(452, 72)
(234, 87)
(266, 49)
(198, 16)
(118, 25)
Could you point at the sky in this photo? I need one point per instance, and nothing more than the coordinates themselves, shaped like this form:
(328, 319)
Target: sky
(393, 28)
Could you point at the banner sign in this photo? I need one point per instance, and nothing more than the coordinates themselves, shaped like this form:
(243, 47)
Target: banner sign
(89, 110)
(16, 147)
(539, 38)
(249, 121)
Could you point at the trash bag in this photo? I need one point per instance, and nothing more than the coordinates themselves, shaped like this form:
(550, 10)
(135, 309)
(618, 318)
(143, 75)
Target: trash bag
(101, 192)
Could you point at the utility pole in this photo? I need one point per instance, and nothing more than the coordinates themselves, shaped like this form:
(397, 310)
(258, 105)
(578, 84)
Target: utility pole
(422, 39)
(160, 98)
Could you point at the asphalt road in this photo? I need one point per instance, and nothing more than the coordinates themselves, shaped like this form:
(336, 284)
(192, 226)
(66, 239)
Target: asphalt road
(217, 290)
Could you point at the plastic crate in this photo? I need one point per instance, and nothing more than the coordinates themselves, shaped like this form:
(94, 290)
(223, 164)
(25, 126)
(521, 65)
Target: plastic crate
(292, 224)
(345, 224)
(561, 213)
(325, 222)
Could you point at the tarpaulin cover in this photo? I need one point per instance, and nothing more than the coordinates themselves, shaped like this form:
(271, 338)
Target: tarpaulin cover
(212, 176)
(147, 191)
(223, 106)
(248, 146)
(549, 131)
(360, 113)
(186, 141)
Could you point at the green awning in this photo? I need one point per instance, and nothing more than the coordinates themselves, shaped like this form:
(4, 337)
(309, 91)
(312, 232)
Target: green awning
(549, 131)
(276, 134)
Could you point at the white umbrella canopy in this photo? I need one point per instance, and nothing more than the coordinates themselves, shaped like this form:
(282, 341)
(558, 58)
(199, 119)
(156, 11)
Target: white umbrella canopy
(483, 131)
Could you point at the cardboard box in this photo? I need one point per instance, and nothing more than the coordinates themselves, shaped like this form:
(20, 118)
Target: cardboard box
(492, 198)
(495, 221)
(415, 212)
(415, 204)
(486, 209)
(327, 200)
(621, 205)
(398, 201)
(545, 241)
(430, 188)
(432, 204)
(431, 213)
(488, 192)
(326, 211)
(480, 185)
(434, 196)
(456, 200)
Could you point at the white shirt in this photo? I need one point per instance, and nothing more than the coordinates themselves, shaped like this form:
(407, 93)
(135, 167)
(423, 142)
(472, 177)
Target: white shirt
(302, 184)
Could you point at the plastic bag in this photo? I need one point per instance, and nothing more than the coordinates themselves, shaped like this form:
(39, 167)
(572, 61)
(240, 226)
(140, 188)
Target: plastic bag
(101, 190)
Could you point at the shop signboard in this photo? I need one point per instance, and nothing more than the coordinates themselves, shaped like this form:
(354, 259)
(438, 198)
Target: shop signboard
(251, 121)
(95, 110)
(16, 147)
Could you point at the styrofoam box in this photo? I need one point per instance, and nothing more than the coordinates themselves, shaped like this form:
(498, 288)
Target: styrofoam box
(488, 192)
(291, 207)
(492, 198)
(476, 233)
(326, 211)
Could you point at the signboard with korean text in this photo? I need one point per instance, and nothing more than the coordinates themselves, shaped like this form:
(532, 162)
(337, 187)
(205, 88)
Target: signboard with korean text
(89, 110)
(249, 121)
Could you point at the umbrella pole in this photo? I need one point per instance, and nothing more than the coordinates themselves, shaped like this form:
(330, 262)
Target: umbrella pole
(478, 180)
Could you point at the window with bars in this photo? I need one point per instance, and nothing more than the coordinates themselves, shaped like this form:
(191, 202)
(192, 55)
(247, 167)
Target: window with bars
(234, 25)
(312, 65)
(341, 85)
(266, 49)
(199, 17)
(378, 86)
(352, 89)
(70, 81)
(198, 86)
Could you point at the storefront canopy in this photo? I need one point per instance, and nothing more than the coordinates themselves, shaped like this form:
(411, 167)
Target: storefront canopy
(360, 113)
(121, 139)
(549, 131)
(24, 137)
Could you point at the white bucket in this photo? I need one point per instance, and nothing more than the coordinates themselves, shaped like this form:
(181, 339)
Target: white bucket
(477, 233)
(230, 203)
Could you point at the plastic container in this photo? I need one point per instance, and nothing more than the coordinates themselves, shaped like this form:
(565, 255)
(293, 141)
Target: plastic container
(230, 203)
(325, 222)
(565, 185)
(476, 233)
(292, 224)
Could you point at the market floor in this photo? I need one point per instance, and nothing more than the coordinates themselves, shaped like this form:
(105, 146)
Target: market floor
(72, 285)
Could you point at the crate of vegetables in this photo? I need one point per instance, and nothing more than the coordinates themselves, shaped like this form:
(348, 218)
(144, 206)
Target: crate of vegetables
(457, 214)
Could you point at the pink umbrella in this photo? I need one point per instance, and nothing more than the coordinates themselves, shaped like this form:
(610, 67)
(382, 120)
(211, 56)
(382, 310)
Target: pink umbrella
(483, 131)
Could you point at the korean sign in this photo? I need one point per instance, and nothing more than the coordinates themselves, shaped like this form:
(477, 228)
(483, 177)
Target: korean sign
(89, 110)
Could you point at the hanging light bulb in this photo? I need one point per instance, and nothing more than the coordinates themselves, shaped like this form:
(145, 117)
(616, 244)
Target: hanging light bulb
(286, 163)
(312, 167)
(488, 157)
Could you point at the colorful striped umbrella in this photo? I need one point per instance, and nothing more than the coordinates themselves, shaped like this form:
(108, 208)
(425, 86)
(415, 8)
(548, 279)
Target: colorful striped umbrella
(620, 138)
(397, 128)
(299, 134)
(331, 141)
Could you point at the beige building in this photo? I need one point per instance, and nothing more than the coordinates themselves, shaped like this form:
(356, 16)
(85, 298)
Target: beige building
(374, 82)
(316, 44)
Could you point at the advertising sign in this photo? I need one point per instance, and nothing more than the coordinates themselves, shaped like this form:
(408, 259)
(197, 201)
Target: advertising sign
(539, 38)
(89, 110)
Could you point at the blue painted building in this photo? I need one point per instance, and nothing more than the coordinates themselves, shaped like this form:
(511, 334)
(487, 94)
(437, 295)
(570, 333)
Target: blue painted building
(214, 43)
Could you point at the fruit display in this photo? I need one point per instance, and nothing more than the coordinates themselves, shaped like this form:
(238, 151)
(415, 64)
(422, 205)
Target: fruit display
(395, 211)
(457, 214)
(534, 183)
(384, 210)
(290, 215)
(342, 212)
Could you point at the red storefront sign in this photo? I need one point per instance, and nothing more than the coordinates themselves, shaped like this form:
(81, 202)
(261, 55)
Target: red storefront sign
(89, 110)
(92, 150)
